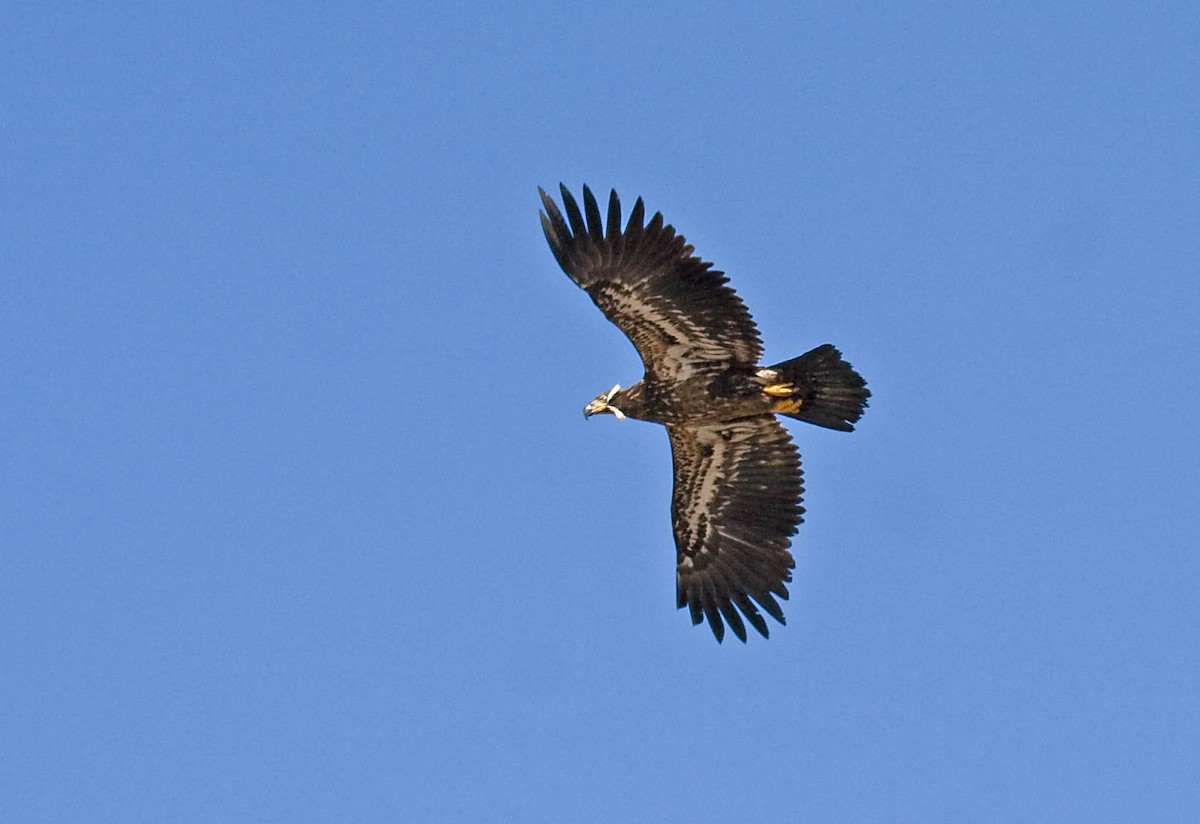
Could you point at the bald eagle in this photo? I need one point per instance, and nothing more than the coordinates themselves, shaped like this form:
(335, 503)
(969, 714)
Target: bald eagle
(737, 491)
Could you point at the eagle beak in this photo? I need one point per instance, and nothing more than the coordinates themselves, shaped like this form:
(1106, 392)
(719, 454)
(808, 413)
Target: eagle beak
(600, 404)
(597, 406)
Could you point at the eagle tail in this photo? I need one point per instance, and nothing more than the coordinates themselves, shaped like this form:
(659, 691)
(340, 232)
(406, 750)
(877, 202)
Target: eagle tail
(818, 387)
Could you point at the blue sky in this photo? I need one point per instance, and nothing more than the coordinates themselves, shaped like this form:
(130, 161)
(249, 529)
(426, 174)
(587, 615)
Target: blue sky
(299, 517)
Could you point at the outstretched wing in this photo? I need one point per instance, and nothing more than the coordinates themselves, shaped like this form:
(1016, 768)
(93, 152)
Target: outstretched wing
(735, 506)
(677, 309)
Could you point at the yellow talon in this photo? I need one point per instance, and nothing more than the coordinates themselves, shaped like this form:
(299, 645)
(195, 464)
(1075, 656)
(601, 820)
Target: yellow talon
(780, 390)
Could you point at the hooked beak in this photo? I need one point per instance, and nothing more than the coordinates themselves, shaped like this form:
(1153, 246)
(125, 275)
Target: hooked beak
(600, 405)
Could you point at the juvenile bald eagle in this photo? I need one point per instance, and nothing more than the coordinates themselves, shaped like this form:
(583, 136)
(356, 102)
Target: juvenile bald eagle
(737, 490)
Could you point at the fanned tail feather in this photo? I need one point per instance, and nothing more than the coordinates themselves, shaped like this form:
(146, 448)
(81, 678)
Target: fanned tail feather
(819, 388)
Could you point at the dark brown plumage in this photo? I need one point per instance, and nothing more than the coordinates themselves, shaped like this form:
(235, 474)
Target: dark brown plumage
(737, 487)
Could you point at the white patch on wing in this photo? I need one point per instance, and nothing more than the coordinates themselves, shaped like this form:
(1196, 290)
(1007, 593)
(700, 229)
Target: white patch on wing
(711, 475)
(729, 536)
(656, 326)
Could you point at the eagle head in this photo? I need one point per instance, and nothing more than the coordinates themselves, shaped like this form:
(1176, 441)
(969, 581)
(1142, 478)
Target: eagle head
(601, 405)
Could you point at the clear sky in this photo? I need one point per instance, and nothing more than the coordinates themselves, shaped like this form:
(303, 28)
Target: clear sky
(300, 519)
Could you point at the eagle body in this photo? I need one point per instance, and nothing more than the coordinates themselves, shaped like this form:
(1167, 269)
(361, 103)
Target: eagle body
(736, 497)
(699, 400)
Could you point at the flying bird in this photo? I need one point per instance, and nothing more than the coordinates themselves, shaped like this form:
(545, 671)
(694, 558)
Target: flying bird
(737, 492)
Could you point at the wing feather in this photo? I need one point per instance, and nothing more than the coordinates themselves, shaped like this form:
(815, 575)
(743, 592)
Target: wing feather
(578, 227)
(735, 505)
(595, 225)
(733, 619)
(750, 611)
(614, 216)
(678, 311)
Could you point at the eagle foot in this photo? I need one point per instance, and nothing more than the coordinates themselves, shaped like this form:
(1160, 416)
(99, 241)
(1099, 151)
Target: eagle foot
(780, 390)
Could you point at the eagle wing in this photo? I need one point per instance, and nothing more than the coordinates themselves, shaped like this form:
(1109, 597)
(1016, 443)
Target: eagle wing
(675, 308)
(734, 508)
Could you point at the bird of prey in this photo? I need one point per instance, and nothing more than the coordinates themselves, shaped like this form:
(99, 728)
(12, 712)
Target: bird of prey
(737, 491)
